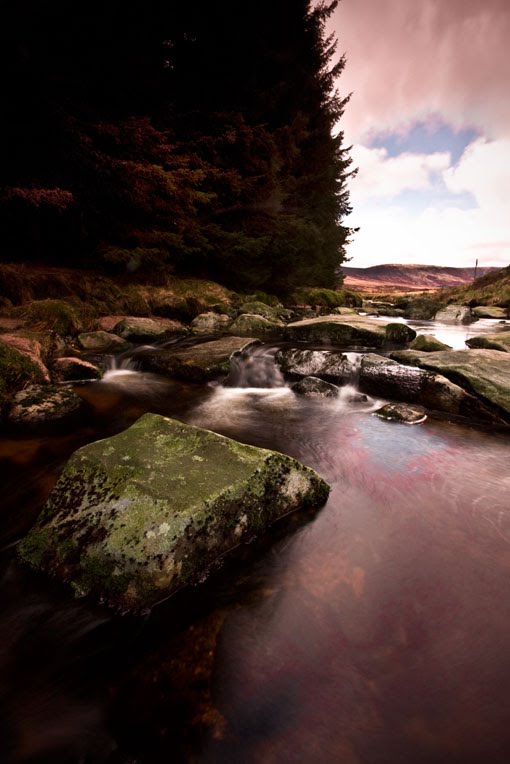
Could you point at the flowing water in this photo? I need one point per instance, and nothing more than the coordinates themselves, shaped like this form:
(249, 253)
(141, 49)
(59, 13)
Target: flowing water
(373, 631)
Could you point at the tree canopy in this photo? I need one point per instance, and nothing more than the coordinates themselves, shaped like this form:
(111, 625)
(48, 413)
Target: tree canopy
(195, 137)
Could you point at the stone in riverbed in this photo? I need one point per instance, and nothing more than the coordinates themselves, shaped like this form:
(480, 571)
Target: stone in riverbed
(135, 517)
(252, 325)
(346, 331)
(136, 329)
(499, 341)
(455, 314)
(489, 311)
(210, 323)
(69, 369)
(402, 412)
(37, 407)
(313, 387)
(428, 344)
(485, 374)
(101, 342)
(198, 363)
(327, 364)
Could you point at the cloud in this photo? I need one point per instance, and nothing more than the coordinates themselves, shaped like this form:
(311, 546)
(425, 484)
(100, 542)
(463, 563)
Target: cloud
(437, 233)
(408, 60)
(386, 177)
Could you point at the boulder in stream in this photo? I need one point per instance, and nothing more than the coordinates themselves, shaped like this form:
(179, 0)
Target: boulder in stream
(135, 517)
(198, 363)
(428, 344)
(313, 387)
(455, 314)
(345, 331)
(101, 342)
(38, 407)
(210, 323)
(402, 412)
(252, 325)
(499, 341)
(136, 329)
(327, 364)
(69, 369)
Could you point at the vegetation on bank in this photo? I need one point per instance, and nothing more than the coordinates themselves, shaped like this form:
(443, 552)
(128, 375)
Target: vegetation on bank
(491, 289)
(196, 139)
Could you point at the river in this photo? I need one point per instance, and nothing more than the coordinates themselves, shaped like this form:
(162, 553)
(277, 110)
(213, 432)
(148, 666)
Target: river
(374, 631)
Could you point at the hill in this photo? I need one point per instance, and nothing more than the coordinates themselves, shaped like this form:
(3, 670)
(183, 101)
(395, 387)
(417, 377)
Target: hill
(408, 278)
(492, 288)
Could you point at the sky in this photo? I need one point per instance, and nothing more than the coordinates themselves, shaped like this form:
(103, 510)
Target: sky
(429, 126)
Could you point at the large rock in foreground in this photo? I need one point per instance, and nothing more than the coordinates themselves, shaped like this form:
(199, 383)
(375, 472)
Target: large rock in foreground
(198, 363)
(484, 373)
(137, 516)
(346, 331)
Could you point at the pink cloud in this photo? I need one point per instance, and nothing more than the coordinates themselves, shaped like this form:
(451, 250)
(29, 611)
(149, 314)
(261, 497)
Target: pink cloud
(409, 60)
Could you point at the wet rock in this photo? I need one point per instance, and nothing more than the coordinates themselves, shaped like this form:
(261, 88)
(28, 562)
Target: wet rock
(199, 363)
(499, 341)
(69, 369)
(387, 378)
(313, 387)
(484, 374)
(455, 314)
(489, 311)
(210, 323)
(37, 407)
(428, 344)
(137, 516)
(346, 331)
(327, 364)
(101, 342)
(136, 329)
(251, 325)
(402, 412)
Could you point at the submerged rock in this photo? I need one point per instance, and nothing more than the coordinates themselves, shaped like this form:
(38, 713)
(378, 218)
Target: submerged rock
(199, 363)
(428, 344)
(313, 387)
(485, 374)
(135, 517)
(402, 412)
(37, 406)
(499, 341)
(328, 364)
(345, 331)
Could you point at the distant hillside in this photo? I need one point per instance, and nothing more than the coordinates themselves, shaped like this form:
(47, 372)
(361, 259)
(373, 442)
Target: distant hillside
(408, 278)
(492, 288)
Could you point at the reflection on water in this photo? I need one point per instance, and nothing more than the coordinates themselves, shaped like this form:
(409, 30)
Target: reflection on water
(375, 633)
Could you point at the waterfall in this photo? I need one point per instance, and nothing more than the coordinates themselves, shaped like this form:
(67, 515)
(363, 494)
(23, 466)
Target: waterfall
(255, 368)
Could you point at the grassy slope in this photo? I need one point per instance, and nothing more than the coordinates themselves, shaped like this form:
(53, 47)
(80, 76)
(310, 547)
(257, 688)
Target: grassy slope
(491, 289)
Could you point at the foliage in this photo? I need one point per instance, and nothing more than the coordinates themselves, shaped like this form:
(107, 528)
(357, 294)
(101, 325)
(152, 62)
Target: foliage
(327, 298)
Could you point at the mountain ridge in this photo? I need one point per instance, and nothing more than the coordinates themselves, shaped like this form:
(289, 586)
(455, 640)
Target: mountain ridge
(390, 277)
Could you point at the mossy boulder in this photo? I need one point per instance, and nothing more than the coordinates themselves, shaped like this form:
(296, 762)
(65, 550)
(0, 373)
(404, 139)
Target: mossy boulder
(499, 341)
(251, 325)
(257, 308)
(101, 342)
(135, 517)
(17, 369)
(428, 344)
(402, 412)
(489, 311)
(38, 407)
(210, 323)
(313, 387)
(134, 329)
(346, 331)
(482, 373)
(455, 314)
(199, 363)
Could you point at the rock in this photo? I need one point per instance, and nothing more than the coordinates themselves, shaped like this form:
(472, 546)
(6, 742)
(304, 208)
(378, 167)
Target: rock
(454, 314)
(210, 323)
(345, 311)
(327, 364)
(135, 517)
(428, 344)
(346, 331)
(402, 412)
(251, 325)
(16, 371)
(68, 369)
(483, 373)
(313, 387)
(101, 342)
(489, 311)
(256, 308)
(37, 407)
(199, 363)
(499, 341)
(136, 329)
(31, 350)
(421, 308)
(387, 378)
